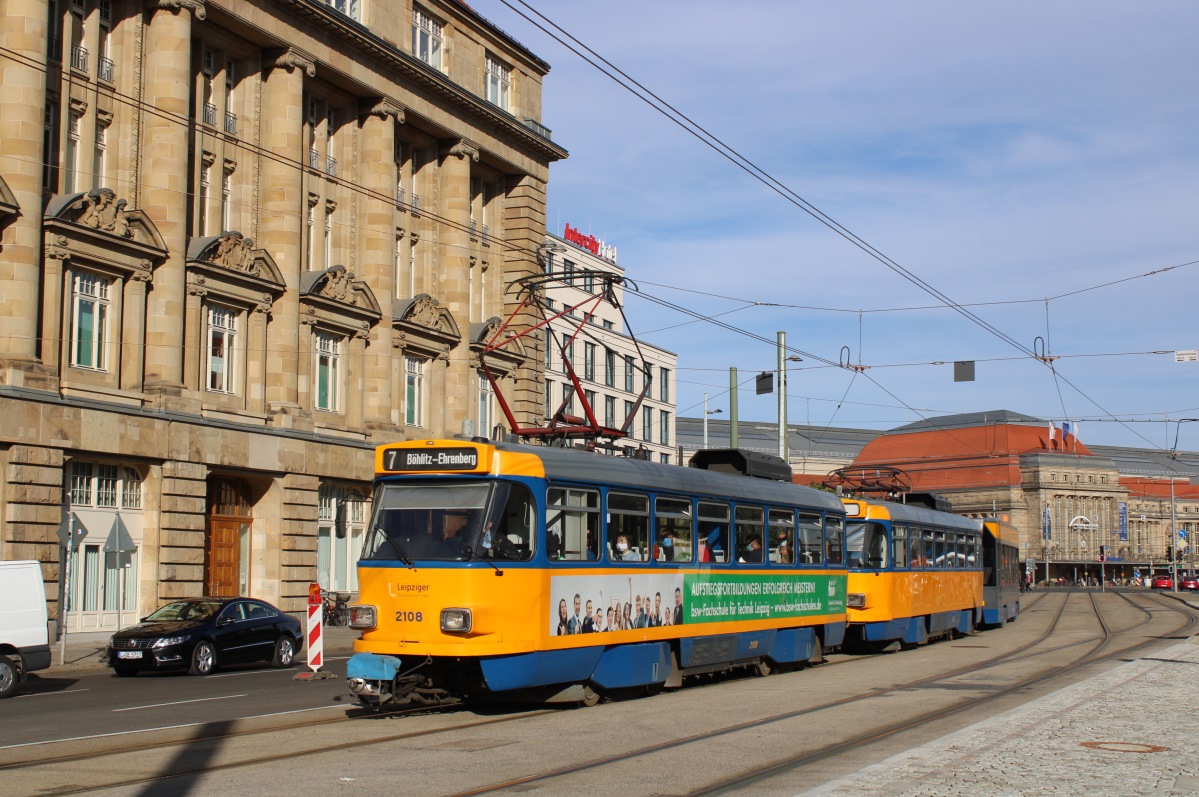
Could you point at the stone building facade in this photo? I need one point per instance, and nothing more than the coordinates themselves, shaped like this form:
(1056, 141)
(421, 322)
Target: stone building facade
(240, 244)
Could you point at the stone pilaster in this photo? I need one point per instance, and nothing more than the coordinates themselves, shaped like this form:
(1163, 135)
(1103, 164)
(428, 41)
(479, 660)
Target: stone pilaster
(378, 255)
(23, 40)
(133, 328)
(453, 287)
(524, 227)
(297, 543)
(281, 228)
(164, 178)
(33, 512)
(182, 531)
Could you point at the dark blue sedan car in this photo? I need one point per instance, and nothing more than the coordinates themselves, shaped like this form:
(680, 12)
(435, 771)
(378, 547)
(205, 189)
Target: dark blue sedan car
(200, 634)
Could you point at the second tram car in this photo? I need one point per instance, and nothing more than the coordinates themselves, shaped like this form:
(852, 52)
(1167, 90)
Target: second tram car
(497, 569)
(1001, 572)
(914, 573)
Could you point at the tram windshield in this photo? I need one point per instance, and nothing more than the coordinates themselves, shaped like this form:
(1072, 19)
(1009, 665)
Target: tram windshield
(866, 544)
(450, 522)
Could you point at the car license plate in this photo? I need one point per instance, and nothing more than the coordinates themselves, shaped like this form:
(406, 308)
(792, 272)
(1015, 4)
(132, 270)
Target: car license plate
(129, 654)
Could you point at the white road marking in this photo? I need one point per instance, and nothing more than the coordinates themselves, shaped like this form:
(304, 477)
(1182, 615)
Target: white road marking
(176, 703)
(46, 694)
(162, 728)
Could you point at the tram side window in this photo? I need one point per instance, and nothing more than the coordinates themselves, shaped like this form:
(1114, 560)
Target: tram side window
(811, 538)
(751, 522)
(899, 541)
(713, 531)
(515, 538)
(782, 536)
(974, 545)
(928, 549)
(855, 534)
(963, 550)
(875, 549)
(672, 529)
(571, 523)
(628, 525)
(834, 541)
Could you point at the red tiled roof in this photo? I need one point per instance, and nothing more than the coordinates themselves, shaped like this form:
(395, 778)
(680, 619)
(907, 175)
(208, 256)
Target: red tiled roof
(965, 457)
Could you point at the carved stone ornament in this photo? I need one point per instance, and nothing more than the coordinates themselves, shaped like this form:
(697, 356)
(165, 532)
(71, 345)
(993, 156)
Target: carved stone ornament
(291, 59)
(465, 148)
(195, 6)
(424, 312)
(383, 107)
(234, 251)
(103, 211)
(339, 285)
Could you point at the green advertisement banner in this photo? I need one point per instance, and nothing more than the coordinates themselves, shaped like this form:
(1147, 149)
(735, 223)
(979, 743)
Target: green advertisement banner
(716, 597)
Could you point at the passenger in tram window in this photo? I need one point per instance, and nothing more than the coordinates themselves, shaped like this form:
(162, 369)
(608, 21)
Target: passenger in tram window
(678, 606)
(592, 546)
(563, 619)
(784, 548)
(664, 552)
(753, 550)
(553, 546)
(622, 549)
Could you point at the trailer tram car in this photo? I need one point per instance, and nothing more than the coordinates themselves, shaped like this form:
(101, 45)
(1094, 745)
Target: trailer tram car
(1001, 572)
(497, 570)
(914, 573)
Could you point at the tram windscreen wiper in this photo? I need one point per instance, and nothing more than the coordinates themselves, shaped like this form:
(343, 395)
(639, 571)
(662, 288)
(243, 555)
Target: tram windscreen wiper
(395, 546)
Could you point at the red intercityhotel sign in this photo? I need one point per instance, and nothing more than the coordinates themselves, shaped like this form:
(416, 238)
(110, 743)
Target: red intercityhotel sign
(590, 243)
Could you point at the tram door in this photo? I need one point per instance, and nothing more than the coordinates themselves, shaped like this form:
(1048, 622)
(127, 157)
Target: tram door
(227, 538)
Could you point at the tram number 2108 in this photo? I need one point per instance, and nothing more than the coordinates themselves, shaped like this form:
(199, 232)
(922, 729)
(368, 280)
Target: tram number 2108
(409, 617)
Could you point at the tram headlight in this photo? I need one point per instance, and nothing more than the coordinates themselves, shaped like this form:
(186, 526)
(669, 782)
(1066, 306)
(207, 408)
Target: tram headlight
(362, 617)
(455, 621)
(856, 600)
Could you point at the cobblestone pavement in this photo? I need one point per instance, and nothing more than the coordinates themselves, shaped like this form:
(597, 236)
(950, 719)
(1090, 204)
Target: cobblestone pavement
(1129, 731)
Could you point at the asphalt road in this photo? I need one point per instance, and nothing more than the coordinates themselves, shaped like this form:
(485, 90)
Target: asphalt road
(96, 703)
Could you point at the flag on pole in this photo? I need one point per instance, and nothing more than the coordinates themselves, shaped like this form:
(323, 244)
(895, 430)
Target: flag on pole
(1067, 428)
(1052, 431)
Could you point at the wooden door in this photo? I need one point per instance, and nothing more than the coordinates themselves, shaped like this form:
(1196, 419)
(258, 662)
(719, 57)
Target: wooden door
(221, 565)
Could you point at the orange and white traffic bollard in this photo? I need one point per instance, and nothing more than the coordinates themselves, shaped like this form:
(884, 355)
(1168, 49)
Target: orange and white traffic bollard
(316, 643)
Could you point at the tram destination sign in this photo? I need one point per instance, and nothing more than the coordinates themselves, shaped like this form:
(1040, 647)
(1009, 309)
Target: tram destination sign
(431, 459)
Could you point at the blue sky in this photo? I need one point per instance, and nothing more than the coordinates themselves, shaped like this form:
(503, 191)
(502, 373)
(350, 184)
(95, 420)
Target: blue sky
(1004, 153)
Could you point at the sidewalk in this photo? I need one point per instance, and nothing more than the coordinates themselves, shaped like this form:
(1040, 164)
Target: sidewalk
(1120, 732)
(85, 651)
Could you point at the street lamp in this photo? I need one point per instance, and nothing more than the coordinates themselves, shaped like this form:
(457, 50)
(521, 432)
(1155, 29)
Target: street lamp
(546, 252)
(707, 412)
(1173, 517)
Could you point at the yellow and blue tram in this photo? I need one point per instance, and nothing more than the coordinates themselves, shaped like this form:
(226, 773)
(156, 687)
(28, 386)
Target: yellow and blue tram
(914, 573)
(1001, 572)
(499, 569)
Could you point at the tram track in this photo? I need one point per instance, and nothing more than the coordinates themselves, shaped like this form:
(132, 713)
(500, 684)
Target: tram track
(798, 761)
(790, 763)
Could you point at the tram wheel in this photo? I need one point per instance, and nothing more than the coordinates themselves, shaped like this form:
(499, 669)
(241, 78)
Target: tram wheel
(590, 696)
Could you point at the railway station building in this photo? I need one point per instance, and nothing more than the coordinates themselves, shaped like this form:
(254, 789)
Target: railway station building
(240, 245)
(1065, 498)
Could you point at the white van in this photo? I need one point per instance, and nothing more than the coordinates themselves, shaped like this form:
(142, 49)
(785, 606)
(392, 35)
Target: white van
(24, 635)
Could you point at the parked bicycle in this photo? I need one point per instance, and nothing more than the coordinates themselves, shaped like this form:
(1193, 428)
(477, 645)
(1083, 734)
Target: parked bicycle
(336, 609)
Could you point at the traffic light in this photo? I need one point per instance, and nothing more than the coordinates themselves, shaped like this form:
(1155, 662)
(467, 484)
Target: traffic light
(1102, 553)
(1169, 553)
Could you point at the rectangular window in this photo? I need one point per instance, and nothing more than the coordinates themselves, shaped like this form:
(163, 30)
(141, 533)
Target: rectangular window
(609, 368)
(89, 323)
(750, 524)
(499, 76)
(610, 411)
(628, 525)
(590, 396)
(782, 536)
(568, 399)
(202, 201)
(568, 353)
(131, 490)
(81, 483)
(647, 424)
(672, 531)
(50, 144)
(549, 400)
(664, 427)
(571, 520)
(414, 392)
(426, 38)
(628, 373)
(328, 372)
(222, 345)
(106, 485)
(71, 159)
(485, 400)
(664, 385)
(589, 361)
(713, 531)
(628, 416)
(98, 156)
